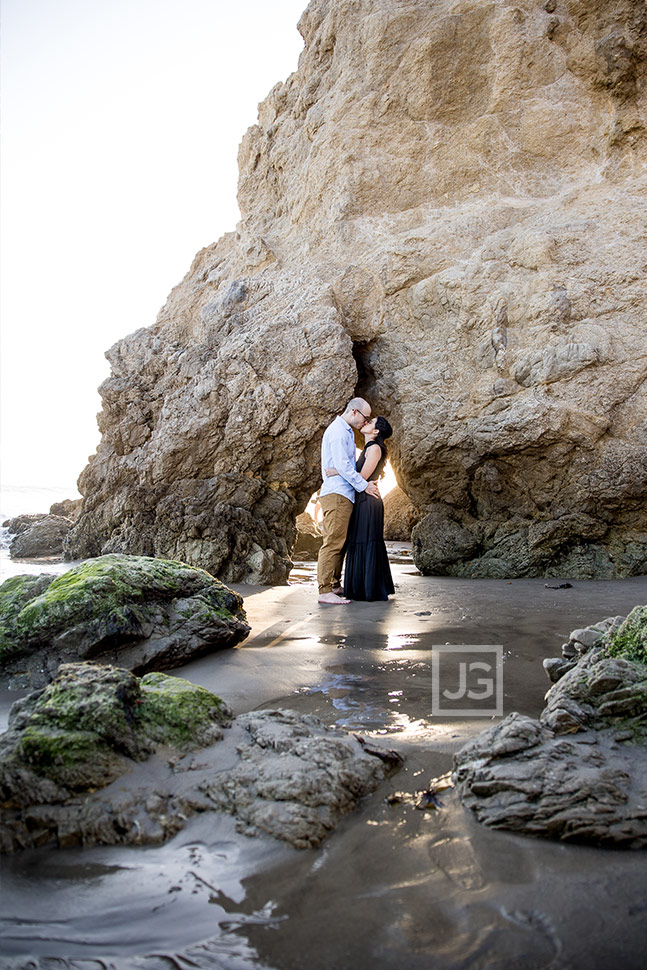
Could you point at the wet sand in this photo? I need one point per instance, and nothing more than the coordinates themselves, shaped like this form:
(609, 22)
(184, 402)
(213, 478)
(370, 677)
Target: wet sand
(393, 887)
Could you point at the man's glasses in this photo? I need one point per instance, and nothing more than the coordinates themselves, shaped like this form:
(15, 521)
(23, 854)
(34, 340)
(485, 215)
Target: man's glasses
(357, 411)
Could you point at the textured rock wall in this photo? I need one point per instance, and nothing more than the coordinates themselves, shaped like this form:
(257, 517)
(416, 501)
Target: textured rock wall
(443, 208)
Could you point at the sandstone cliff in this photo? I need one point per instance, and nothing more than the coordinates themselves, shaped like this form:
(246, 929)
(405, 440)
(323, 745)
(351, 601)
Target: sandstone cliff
(443, 208)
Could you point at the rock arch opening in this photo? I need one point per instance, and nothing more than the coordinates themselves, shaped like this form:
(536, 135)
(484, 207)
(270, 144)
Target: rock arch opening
(366, 377)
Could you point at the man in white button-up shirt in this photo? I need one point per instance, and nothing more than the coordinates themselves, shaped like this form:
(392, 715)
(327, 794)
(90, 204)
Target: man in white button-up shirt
(337, 495)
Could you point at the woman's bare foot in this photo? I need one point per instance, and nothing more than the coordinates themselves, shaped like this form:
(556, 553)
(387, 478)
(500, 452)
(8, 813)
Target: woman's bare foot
(338, 591)
(333, 599)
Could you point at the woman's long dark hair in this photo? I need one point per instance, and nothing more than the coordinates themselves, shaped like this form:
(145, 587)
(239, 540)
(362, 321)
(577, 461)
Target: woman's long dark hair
(384, 431)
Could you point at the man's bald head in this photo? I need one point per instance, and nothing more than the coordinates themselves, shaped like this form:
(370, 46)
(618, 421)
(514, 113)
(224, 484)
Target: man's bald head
(357, 413)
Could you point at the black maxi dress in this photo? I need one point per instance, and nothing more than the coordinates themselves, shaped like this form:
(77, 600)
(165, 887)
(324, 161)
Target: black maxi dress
(367, 574)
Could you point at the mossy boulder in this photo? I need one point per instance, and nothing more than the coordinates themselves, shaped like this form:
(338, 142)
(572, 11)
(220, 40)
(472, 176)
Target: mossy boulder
(15, 593)
(133, 611)
(174, 711)
(89, 727)
(102, 756)
(605, 681)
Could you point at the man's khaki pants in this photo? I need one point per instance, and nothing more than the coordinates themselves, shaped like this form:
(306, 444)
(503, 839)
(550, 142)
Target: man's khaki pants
(337, 511)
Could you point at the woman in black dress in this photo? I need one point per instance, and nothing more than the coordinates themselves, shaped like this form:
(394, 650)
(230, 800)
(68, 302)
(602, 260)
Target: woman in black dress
(367, 574)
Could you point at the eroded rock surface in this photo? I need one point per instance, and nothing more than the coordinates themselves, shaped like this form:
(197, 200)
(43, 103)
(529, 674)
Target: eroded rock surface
(579, 773)
(442, 208)
(295, 777)
(102, 756)
(139, 613)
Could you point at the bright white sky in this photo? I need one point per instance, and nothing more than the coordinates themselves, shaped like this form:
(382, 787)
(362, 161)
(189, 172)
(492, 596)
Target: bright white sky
(121, 121)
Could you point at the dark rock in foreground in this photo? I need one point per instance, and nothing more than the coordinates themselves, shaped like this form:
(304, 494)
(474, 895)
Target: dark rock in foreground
(580, 772)
(296, 777)
(80, 733)
(139, 613)
(71, 767)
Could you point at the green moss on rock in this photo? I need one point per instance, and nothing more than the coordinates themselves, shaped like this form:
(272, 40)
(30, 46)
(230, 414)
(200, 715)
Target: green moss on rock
(46, 750)
(101, 701)
(85, 728)
(109, 585)
(114, 600)
(15, 594)
(77, 760)
(176, 712)
(630, 639)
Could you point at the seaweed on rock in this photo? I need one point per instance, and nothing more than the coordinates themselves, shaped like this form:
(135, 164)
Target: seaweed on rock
(134, 611)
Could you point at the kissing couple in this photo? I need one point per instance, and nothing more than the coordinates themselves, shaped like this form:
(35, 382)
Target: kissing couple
(353, 512)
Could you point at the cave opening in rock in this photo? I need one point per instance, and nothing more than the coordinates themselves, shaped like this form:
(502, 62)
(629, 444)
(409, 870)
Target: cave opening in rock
(309, 524)
(388, 481)
(363, 355)
(309, 536)
(365, 372)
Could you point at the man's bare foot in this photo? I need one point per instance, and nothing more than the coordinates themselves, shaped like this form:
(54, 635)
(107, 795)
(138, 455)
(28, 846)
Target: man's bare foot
(333, 599)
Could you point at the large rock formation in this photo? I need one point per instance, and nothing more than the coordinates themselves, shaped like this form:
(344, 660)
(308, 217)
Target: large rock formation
(442, 208)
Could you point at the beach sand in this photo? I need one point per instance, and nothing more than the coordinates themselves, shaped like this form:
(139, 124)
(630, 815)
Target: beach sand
(393, 887)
